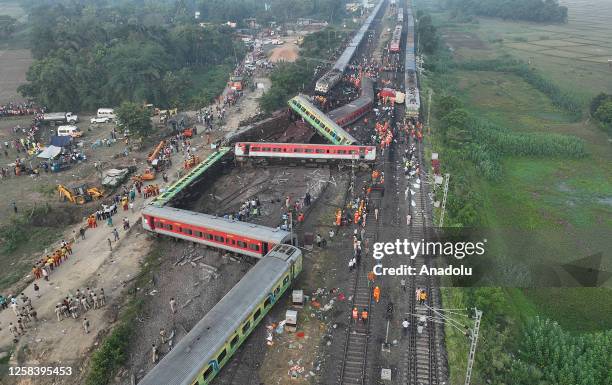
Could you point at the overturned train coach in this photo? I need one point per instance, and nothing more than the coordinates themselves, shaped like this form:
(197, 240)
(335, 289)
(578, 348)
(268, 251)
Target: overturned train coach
(302, 152)
(350, 112)
(236, 236)
(201, 354)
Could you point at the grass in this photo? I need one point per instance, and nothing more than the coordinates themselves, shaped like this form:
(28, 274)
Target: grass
(19, 239)
(562, 205)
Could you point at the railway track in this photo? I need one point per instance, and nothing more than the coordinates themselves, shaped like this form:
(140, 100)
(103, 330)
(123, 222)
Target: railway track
(421, 357)
(354, 362)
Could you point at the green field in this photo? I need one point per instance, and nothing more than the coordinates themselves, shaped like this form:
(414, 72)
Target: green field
(574, 55)
(564, 205)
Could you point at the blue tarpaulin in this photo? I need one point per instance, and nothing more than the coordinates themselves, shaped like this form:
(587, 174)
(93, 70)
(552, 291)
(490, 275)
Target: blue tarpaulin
(60, 141)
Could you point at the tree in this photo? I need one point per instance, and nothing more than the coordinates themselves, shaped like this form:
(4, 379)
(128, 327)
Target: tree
(135, 118)
(445, 104)
(428, 38)
(7, 25)
(604, 112)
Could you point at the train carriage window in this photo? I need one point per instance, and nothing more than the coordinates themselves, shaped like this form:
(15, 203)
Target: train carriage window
(198, 234)
(340, 152)
(221, 356)
(233, 242)
(255, 149)
(234, 341)
(308, 150)
(188, 231)
(208, 373)
(242, 244)
(257, 314)
(298, 150)
(320, 151)
(168, 227)
(276, 149)
(266, 149)
(219, 238)
(268, 301)
(208, 236)
(179, 229)
(286, 280)
(253, 246)
(246, 327)
(277, 290)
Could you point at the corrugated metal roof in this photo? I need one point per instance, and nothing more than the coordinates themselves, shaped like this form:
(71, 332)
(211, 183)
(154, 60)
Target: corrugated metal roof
(245, 229)
(193, 352)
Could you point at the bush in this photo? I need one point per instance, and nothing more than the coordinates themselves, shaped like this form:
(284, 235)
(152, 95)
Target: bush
(110, 356)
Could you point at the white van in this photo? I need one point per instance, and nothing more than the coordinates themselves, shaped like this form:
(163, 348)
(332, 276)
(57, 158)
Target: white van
(73, 131)
(106, 113)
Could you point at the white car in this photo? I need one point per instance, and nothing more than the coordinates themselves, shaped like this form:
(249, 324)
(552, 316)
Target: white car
(105, 119)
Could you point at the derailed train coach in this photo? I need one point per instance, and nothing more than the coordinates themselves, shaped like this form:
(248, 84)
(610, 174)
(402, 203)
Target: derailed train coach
(232, 235)
(199, 356)
(262, 152)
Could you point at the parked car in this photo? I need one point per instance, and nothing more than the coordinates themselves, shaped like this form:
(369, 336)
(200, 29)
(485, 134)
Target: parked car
(104, 119)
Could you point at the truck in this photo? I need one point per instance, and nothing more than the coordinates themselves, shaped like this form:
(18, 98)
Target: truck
(60, 117)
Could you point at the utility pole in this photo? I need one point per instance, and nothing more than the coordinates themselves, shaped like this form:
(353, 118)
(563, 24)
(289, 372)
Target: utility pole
(447, 177)
(474, 338)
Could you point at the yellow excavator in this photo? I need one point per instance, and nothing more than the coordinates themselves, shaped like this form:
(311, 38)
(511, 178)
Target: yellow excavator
(80, 194)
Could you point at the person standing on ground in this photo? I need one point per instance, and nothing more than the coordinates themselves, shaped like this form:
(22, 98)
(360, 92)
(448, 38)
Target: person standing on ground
(37, 290)
(15, 207)
(13, 329)
(82, 232)
(86, 325)
(376, 294)
(102, 298)
(405, 325)
(173, 305)
(115, 234)
(403, 284)
(162, 335)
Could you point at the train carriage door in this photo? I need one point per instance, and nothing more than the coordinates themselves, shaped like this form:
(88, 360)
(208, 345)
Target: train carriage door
(245, 149)
(264, 248)
(361, 152)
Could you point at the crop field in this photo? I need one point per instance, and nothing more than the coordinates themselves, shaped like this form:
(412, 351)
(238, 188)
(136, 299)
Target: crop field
(584, 40)
(566, 202)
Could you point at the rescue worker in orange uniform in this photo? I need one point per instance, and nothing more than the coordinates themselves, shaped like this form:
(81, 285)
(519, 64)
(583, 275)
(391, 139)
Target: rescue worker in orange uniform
(355, 314)
(377, 294)
(364, 315)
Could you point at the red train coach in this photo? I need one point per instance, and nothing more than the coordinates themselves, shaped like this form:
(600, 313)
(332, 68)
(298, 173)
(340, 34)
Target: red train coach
(239, 237)
(304, 151)
(394, 46)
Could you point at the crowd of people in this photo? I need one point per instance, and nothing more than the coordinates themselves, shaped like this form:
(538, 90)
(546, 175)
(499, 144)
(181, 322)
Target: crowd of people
(24, 312)
(73, 306)
(20, 109)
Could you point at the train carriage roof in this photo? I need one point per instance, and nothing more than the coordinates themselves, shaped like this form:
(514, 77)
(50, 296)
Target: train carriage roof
(193, 352)
(245, 229)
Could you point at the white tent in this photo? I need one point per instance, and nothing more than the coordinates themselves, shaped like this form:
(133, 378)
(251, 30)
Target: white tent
(50, 152)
